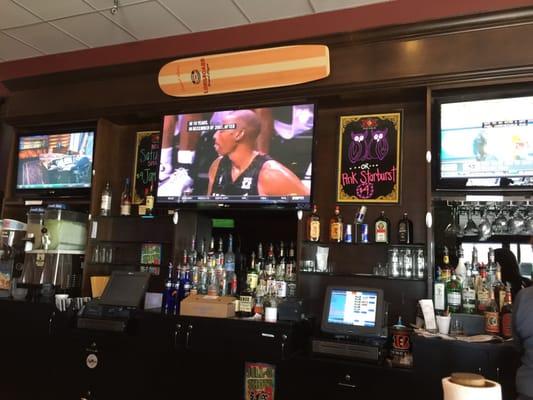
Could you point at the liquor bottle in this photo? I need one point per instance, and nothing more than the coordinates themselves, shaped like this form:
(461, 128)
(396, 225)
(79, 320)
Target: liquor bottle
(313, 226)
(446, 268)
(483, 292)
(246, 302)
(229, 257)
(453, 294)
(405, 230)
(211, 254)
(252, 276)
(105, 202)
(290, 275)
(202, 269)
(491, 268)
(507, 314)
(499, 288)
(149, 200)
(382, 229)
(336, 228)
(469, 293)
(492, 316)
(125, 199)
(460, 269)
(169, 297)
(439, 286)
(177, 289)
(281, 268)
(262, 281)
(185, 283)
(270, 269)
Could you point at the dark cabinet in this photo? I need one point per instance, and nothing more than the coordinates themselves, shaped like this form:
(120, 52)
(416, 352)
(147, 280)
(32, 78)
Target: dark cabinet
(337, 379)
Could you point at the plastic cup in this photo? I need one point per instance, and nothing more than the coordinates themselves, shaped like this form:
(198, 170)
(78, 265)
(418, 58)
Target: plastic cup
(443, 323)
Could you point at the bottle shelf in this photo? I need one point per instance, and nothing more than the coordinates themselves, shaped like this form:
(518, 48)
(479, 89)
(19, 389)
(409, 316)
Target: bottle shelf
(410, 245)
(360, 275)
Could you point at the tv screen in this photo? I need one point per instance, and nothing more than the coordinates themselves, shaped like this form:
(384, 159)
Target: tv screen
(486, 143)
(353, 311)
(50, 162)
(257, 156)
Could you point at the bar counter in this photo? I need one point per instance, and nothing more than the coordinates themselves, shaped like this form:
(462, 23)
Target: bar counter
(47, 357)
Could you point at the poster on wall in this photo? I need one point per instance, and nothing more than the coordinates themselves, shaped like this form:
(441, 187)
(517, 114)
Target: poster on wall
(147, 153)
(369, 158)
(259, 381)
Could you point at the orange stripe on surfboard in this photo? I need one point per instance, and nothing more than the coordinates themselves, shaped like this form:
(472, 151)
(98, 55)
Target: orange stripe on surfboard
(247, 70)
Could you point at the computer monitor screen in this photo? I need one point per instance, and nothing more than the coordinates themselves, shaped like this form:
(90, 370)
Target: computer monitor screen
(352, 311)
(125, 289)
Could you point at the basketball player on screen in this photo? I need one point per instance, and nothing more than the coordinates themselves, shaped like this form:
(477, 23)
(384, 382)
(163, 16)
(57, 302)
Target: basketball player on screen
(242, 170)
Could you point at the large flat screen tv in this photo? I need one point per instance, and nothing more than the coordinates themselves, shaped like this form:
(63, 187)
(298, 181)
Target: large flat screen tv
(244, 157)
(55, 163)
(353, 311)
(484, 144)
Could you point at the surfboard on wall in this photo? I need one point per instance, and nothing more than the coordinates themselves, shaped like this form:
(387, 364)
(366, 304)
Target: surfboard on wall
(244, 70)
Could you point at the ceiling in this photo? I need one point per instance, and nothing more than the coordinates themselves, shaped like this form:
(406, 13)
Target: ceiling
(31, 28)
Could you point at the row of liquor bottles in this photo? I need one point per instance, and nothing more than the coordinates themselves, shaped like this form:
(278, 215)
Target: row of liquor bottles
(126, 203)
(473, 287)
(359, 231)
(214, 272)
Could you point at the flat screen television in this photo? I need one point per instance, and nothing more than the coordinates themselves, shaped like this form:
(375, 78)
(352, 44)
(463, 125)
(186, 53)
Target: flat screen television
(55, 163)
(353, 311)
(241, 157)
(484, 144)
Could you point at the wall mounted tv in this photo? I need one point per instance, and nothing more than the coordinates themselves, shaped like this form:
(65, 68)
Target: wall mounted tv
(55, 163)
(484, 144)
(242, 157)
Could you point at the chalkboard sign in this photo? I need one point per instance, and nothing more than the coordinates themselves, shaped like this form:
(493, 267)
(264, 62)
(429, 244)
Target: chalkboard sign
(369, 158)
(147, 153)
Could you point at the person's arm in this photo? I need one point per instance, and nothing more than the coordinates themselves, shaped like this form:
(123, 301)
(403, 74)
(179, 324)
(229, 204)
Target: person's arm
(277, 180)
(212, 172)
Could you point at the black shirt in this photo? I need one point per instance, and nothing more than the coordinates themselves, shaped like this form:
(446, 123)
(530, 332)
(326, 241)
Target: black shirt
(246, 182)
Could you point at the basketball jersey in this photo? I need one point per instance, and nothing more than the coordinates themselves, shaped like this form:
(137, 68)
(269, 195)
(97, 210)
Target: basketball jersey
(246, 182)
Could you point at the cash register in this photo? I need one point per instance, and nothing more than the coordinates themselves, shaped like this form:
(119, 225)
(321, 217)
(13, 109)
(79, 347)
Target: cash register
(114, 309)
(354, 324)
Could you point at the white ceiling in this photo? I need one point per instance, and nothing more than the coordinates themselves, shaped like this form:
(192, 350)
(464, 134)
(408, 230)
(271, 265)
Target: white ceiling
(30, 28)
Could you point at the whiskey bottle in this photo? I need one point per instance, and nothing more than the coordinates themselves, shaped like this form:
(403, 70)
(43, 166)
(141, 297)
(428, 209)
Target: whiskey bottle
(290, 275)
(507, 314)
(246, 302)
(382, 229)
(446, 268)
(281, 284)
(149, 200)
(453, 294)
(105, 202)
(492, 316)
(313, 226)
(405, 230)
(270, 270)
(469, 293)
(252, 276)
(336, 228)
(483, 292)
(125, 199)
(499, 288)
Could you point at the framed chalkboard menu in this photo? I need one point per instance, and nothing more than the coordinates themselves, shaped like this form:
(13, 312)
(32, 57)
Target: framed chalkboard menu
(147, 153)
(369, 158)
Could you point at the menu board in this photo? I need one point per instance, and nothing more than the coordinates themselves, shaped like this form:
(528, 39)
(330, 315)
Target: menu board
(147, 153)
(369, 158)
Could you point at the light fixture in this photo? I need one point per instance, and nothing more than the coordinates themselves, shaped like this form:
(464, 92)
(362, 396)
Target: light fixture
(299, 214)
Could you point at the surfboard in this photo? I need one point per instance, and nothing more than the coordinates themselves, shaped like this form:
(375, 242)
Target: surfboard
(244, 70)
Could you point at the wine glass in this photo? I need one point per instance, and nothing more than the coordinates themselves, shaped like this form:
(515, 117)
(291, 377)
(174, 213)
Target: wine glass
(470, 228)
(453, 228)
(499, 225)
(485, 227)
(516, 224)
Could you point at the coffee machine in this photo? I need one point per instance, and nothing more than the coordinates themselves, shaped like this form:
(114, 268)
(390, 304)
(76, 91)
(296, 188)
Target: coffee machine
(12, 234)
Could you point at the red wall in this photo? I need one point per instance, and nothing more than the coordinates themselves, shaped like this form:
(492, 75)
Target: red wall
(394, 12)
